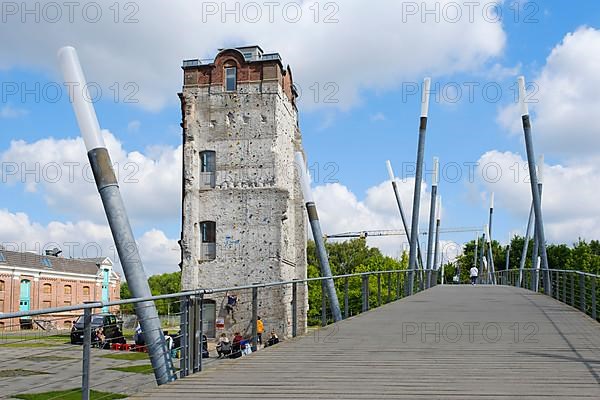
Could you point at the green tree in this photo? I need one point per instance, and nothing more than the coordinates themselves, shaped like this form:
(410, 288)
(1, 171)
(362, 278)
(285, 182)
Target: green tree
(558, 255)
(159, 285)
(583, 257)
(352, 257)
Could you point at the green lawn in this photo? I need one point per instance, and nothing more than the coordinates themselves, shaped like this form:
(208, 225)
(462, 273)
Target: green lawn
(57, 338)
(73, 394)
(27, 343)
(136, 369)
(131, 356)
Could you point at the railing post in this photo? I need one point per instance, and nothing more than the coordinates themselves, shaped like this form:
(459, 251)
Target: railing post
(427, 279)
(197, 326)
(254, 318)
(573, 289)
(199, 334)
(346, 290)
(389, 287)
(87, 351)
(294, 309)
(323, 304)
(564, 287)
(365, 293)
(594, 314)
(378, 290)
(398, 286)
(184, 324)
(582, 292)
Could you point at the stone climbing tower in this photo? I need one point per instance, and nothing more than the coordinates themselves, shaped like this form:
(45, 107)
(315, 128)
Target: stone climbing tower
(242, 216)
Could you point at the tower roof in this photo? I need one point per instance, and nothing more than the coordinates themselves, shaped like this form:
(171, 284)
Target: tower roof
(253, 53)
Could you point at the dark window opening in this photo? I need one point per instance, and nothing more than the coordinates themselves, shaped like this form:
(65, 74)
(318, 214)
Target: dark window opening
(231, 79)
(208, 169)
(208, 236)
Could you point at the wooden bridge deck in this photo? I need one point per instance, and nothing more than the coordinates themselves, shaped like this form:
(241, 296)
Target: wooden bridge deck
(451, 342)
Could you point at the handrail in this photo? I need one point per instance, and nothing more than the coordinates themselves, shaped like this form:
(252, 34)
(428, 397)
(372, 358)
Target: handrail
(572, 271)
(196, 292)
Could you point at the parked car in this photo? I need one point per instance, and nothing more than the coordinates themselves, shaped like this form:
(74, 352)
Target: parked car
(111, 327)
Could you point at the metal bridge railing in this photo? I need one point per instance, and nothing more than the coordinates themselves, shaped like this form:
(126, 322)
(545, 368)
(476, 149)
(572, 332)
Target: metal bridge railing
(575, 288)
(42, 358)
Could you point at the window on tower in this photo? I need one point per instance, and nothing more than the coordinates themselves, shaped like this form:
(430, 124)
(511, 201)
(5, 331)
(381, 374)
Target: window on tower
(208, 236)
(208, 169)
(230, 79)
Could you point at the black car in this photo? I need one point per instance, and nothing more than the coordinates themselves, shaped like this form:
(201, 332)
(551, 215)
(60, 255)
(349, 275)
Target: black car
(111, 328)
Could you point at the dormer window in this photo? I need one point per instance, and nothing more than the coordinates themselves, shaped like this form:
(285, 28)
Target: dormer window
(230, 79)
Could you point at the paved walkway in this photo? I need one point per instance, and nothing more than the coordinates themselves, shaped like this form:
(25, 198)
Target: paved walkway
(451, 342)
(57, 366)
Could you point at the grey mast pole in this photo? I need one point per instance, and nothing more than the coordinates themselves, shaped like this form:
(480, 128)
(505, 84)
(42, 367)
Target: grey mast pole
(399, 202)
(491, 254)
(481, 254)
(438, 219)
(315, 225)
(476, 250)
(412, 259)
(507, 266)
(536, 248)
(432, 219)
(537, 202)
(108, 187)
(525, 245)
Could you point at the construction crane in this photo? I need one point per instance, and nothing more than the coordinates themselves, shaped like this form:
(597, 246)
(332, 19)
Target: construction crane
(396, 232)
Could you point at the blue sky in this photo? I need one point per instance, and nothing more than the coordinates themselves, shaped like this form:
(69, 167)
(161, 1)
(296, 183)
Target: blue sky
(373, 119)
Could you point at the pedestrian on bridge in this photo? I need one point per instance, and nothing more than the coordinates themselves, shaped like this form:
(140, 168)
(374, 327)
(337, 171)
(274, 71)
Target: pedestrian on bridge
(474, 273)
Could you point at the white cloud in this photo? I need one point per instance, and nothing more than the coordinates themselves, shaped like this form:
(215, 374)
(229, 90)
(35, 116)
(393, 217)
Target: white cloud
(565, 100)
(149, 52)
(501, 72)
(84, 239)
(341, 211)
(378, 117)
(564, 103)
(58, 170)
(134, 126)
(9, 111)
(569, 201)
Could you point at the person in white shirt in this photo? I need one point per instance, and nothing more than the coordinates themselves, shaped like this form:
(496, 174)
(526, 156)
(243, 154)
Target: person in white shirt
(474, 273)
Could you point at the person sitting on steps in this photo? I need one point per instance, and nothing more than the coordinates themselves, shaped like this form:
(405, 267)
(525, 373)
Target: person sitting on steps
(273, 340)
(236, 346)
(223, 346)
